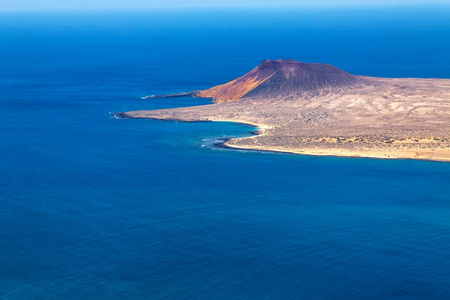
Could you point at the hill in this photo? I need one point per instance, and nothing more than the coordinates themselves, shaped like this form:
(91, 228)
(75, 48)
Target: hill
(287, 78)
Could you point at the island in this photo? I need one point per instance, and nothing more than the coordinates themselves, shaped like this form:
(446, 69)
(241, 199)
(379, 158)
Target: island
(319, 109)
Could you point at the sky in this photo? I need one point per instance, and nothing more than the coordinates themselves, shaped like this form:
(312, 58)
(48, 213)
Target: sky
(9, 5)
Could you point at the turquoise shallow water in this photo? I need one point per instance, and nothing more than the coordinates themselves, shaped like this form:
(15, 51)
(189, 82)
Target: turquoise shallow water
(96, 207)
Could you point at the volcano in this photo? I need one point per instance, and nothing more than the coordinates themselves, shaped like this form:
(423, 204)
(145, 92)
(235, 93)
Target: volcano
(281, 78)
(285, 78)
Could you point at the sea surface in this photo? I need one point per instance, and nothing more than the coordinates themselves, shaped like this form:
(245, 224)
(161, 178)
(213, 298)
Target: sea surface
(94, 207)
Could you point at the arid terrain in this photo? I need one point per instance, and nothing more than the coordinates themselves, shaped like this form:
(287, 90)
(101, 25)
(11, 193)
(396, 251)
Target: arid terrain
(319, 109)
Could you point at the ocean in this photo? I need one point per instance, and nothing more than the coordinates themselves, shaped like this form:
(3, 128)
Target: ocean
(95, 207)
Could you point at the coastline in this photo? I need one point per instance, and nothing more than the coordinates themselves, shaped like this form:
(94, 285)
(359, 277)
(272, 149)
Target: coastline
(415, 155)
(337, 153)
(373, 154)
(261, 128)
(393, 118)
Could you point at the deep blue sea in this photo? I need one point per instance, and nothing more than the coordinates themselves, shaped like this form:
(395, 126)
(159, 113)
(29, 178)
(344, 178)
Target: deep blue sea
(94, 207)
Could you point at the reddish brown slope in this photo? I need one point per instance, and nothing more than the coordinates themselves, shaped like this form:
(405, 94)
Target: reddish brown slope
(239, 87)
(274, 78)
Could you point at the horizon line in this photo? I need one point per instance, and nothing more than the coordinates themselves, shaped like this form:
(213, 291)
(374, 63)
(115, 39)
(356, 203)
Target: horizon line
(236, 7)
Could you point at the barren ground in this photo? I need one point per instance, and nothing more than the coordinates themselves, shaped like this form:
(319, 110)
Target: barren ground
(391, 118)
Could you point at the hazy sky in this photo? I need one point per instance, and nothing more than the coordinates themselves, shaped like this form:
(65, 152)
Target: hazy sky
(133, 4)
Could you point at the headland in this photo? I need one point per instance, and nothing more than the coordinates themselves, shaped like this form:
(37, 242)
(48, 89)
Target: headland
(319, 109)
